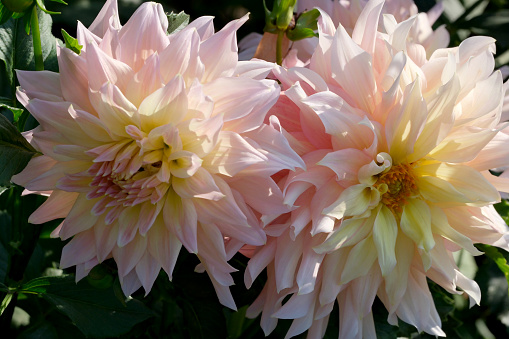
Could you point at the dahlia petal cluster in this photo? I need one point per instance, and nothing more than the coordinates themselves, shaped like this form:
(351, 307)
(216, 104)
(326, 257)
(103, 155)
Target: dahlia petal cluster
(151, 142)
(356, 176)
(398, 148)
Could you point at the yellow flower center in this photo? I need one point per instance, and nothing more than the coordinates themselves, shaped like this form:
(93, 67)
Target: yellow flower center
(396, 186)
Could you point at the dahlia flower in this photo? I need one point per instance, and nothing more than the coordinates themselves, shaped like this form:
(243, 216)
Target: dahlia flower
(152, 141)
(398, 149)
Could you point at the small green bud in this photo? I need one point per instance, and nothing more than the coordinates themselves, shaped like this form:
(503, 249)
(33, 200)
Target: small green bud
(281, 16)
(18, 6)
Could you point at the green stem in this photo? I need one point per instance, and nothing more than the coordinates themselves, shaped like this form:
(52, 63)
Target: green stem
(36, 36)
(279, 47)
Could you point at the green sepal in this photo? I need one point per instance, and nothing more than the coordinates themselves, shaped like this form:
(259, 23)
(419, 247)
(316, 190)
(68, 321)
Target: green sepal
(60, 2)
(27, 20)
(305, 27)
(40, 4)
(71, 43)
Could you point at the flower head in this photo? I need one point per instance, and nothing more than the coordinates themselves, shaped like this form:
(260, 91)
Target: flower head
(143, 136)
(398, 149)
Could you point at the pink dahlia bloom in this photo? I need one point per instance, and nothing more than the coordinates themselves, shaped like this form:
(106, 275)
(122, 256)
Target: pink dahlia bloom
(152, 141)
(398, 149)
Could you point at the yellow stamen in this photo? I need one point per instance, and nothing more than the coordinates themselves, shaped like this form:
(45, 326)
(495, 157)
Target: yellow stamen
(396, 186)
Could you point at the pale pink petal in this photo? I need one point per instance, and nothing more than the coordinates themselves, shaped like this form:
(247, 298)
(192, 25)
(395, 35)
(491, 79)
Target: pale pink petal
(231, 155)
(261, 193)
(105, 240)
(222, 210)
(219, 52)
(245, 104)
(203, 25)
(365, 31)
(166, 105)
(177, 58)
(351, 69)
(36, 166)
(58, 205)
(147, 270)
(146, 81)
(134, 48)
(288, 253)
(74, 78)
(256, 69)
(79, 219)
(181, 218)
(200, 185)
(128, 256)
(107, 15)
(164, 247)
(80, 249)
(130, 282)
(273, 144)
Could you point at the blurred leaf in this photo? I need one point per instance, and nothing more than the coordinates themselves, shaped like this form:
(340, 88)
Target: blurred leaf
(4, 262)
(177, 21)
(16, 112)
(96, 312)
(5, 228)
(15, 151)
(71, 42)
(237, 323)
(494, 254)
(44, 330)
(100, 277)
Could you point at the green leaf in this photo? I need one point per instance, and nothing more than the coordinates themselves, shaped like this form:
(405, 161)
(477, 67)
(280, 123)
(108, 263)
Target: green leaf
(60, 2)
(177, 21)
(237, 323)
(16, 112)
(494, 254)
(5, 14)
(96, 312)
(71, 42)
(40, 330)
(15, 151)
(16, 49)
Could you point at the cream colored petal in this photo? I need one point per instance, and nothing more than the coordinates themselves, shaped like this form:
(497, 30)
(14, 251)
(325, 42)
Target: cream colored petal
(385, 232)
(416, 223)
(360, 259)
(353, 201)
(440, 191)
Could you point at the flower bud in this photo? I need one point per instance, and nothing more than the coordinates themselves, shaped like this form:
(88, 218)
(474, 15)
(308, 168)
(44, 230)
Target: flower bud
(18, 6)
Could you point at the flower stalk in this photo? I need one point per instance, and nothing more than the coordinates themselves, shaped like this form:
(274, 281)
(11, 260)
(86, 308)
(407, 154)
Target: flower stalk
(36, 36)
(279, 47)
